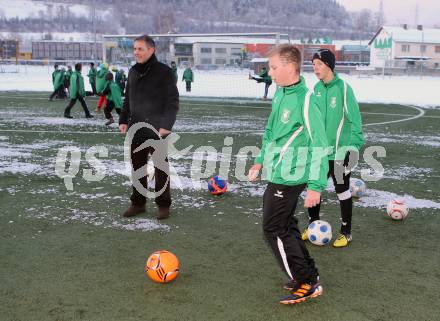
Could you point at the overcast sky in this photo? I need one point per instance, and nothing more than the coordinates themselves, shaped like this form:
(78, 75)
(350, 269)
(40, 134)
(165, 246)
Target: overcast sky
(400, 11)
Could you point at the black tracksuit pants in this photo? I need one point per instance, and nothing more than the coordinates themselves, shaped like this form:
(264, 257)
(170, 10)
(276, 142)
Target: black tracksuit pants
(281, 231)
(140, 159)
(342, 189)
(109, 108)
(73, 102)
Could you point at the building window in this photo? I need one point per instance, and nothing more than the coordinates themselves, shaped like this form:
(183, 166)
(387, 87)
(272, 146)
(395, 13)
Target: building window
(422, 48)
(220, 61)
(220, 50)
(205, 50)
(437, 49)
(206, 61)
(405, 48)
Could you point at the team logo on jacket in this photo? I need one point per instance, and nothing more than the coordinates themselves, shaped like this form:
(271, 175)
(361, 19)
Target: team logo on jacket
(279, 194)
(333, 102)
(318, 94)
(285, 116)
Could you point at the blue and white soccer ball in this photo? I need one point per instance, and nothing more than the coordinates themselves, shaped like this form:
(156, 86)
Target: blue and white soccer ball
(217, 185)
(319, 232)
(357, 187)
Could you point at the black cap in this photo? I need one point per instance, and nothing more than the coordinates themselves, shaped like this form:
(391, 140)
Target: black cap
(326, 56)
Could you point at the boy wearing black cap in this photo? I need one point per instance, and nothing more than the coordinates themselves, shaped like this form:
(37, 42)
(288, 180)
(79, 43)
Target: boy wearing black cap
(343, 126)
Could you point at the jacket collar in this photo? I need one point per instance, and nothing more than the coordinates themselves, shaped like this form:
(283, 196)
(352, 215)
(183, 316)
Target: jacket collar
(143, 68)
(332, 82)
(295, 87)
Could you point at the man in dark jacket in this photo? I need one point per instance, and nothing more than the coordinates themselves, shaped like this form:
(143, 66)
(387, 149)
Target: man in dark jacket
(151, 97)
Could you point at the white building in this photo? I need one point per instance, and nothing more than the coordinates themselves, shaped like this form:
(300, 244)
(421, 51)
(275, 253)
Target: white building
(405, 47)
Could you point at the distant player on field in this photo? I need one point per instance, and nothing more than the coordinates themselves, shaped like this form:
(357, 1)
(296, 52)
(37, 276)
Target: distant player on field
(263, 76)
(294, 133)
(114, 99)
(77, 92)
(343, 126)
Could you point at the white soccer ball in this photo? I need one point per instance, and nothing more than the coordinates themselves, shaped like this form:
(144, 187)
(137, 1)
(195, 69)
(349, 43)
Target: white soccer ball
(319, 232)
(397, 209)
(357, 187)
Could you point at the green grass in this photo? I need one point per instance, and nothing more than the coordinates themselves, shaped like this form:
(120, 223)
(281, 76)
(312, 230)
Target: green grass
(57, 264)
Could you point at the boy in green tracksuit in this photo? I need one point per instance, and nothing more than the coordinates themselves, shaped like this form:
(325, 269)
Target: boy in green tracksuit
(92, 77)
(114, 99)
(57, 81)
(293, 155)
(121, 79)
(100, 85)
(264, 77)
(343, 127)
(188, 78)
(77, 92)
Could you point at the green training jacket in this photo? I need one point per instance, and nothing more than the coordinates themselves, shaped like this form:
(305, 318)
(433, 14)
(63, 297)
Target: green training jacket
(114, 94)
(188, 75)
(57, 79)
(92, 75)
(100, 79)
(76, 85)
(341, 116)
(294, 145)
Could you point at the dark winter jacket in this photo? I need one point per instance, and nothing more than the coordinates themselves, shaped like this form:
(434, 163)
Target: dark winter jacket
(151, 96)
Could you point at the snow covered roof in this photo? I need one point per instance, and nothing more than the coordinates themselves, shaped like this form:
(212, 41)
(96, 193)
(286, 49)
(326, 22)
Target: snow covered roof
(231, 40)
(400, 34)
(260, 60)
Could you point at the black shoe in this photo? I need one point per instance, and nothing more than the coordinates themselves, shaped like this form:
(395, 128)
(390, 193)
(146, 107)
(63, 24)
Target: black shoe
(67, 116)
(303, 292)
(134, 210)
(89, 116)
(109, 122)
(163, 213)
(290, 285)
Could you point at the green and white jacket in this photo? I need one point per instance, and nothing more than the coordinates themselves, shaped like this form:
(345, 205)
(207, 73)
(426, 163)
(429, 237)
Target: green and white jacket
(294, 146)
(341, 116)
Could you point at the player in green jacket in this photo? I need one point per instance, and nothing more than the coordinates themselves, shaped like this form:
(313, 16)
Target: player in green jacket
(188, 77)
(121, 79)
(77, 92)
(263, 76)
(293, 157)
(114, 99)
(100, 85)
(343, 127)
(57, 81)
(92, 77)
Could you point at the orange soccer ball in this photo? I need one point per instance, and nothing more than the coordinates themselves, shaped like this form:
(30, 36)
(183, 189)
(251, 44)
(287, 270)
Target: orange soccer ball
(162, 266)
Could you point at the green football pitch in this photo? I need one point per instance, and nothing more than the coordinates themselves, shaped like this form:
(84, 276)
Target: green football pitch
(69, 255)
